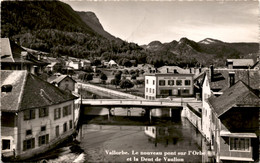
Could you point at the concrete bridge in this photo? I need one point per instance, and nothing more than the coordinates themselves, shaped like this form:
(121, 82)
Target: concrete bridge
(176, 102)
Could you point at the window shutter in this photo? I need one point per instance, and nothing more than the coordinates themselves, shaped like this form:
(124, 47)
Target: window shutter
(47, 139)
(24, 145)
(33, 114)
(39, 141)
(33, 142)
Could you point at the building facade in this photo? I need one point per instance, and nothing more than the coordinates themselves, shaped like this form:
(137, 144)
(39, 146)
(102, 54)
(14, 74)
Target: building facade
(235, 124)
(14, 57)
(160, 85)
(36, 115)
(64, 82)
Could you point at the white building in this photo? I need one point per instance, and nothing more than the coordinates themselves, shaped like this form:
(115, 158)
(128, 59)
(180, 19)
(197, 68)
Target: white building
(160, 85)
(36, 115)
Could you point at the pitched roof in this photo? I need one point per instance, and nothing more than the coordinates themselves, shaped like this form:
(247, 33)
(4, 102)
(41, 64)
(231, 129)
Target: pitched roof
(221, 78)
(60, 78)
(172, 68)
(6, 52)
(237, 95)
(11, 52)
(29, 91)
(241, 62)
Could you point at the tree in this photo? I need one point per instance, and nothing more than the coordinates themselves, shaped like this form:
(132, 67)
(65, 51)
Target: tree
(124, 84)
(96, 62)
(89, 77)
(133, 77)
(132, 72)
(103, 77)
(115, 82)
(125, 72)
(118, 75)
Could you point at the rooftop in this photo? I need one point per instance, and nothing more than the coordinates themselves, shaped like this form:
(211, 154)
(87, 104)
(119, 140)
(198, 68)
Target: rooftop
(241, 62)
(221, 78)
(11, 52)
(239, 95)
(28, 91)
(60, 78)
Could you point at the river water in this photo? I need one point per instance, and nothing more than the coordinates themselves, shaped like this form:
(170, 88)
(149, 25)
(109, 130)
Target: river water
(162, 141)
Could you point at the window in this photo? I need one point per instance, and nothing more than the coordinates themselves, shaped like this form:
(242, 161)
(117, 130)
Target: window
(146, 89)
(150, 90)
(153, 90)
(187, 82)
(178, 82)
(161, 82)
(185, 91)
(65, 111)
(43, 128)
(65, 127)
(43, 112)
(29, 114)
(170, 82)
(28, 132)
(5, 144)
(69, 109)
(153, 82)
(28, 144)
(70, 124)
(147, 81)
(240, 144)
(57, 131)
(56, 113)
(43, 139)
(164, 92)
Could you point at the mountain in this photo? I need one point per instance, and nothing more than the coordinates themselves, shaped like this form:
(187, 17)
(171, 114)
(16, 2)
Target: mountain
(54, 27)
(92, 21)
(205, 52)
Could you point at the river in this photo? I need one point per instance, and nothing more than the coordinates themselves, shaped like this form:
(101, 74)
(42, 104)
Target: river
(163, 141)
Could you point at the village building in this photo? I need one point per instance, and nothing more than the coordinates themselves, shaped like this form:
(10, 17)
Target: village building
(162, 85)
(234, 124)
(64, 82)
(239, 63)
(36, 115)
(173, 69)
(14, 57)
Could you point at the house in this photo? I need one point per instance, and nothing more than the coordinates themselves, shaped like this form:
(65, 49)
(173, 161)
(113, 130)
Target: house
(173, 69)
(36, 115)
(221, 79)
(73, 63)
(235, 124)
(84, 63)
(53, 67)
(160, 85)
(112, 63)
(239, 63)
(64, 82)
(13, 57)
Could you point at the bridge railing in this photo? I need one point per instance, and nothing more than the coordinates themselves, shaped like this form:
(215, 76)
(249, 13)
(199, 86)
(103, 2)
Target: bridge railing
(175, 102)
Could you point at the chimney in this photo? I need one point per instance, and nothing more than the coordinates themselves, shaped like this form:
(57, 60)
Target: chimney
(200, 70)
(229, 64)
(24, 54)
(167, 70)
(211, 72)
(190, 71)
(231, 77)
(39, 57)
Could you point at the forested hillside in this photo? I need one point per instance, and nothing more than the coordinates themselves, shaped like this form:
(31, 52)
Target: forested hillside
(54, 27)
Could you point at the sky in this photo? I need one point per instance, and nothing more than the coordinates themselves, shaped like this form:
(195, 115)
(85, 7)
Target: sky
(145, 21)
